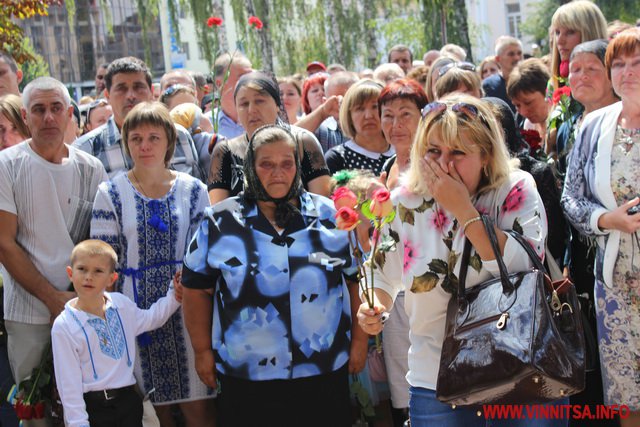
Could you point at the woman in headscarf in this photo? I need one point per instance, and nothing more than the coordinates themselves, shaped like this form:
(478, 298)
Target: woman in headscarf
(257, 98)
(267, 271)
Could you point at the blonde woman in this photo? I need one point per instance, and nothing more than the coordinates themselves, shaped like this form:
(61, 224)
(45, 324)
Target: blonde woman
(459, 169)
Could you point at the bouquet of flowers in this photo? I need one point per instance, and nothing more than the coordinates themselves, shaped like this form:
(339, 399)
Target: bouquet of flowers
(564, 107)
(379, 209)
(31, 397)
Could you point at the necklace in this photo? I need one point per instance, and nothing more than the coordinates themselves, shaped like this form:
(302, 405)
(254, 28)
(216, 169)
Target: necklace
(144, 193)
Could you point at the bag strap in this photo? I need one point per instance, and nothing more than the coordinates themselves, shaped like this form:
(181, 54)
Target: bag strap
(507, 286)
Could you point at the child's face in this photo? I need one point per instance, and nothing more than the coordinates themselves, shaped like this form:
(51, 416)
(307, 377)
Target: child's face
(91, 275)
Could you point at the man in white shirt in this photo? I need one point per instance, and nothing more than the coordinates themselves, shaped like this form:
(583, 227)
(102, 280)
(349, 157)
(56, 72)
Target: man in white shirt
(46, 194)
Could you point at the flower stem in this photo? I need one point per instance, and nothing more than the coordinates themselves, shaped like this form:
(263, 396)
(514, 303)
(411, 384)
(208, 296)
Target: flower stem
(377, 225)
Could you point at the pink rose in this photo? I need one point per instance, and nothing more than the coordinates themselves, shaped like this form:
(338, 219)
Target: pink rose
(347, 219)
(344, 197)
(381, 204)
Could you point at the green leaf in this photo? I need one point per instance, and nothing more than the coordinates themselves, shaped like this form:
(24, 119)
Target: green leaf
(475, 262)
(438, 266)
(364, 208)
(380, 258)
(426, 204)
(389, 218)
(453, 259)
(424, 283)
(450, 285)
(387, 243)
(406, 215)
(395, 236)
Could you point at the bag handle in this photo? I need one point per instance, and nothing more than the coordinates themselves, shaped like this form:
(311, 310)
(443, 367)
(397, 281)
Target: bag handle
(507, 286)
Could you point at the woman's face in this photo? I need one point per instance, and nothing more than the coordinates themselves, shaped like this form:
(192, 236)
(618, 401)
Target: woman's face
(588, 79)
(99, 116)
(566, 40)
(399, 120)
(276, 168)
(9, 135)
(625, 75)
(490, 68)
(290, 97)
(469, 165)
(148, 146)
(315, 96)
(255, 109)
(366, 119)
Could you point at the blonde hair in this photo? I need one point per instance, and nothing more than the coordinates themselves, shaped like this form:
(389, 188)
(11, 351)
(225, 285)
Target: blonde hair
(10, 106)
(448, 126)
(582, 16)
(359, 93)
(94, 247)
(153, 114)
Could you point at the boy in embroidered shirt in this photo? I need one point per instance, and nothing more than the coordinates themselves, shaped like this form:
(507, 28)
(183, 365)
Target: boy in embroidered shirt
(93, 342)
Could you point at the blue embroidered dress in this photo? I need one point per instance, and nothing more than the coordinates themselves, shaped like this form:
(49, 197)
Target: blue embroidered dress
(150, 237)
(281, 307)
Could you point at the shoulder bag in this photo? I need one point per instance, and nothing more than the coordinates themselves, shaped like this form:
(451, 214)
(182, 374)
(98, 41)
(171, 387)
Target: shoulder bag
(515, 339)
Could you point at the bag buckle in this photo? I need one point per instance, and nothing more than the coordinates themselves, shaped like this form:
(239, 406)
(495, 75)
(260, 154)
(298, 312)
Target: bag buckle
(502, 322)
(556, 304)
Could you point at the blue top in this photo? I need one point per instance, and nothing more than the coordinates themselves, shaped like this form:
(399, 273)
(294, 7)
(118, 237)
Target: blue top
(226, 126)
(281, 307)
(496, 86)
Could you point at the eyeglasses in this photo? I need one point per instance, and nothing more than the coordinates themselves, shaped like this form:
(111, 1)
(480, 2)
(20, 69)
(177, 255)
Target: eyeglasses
(467, 66)
(471, 111)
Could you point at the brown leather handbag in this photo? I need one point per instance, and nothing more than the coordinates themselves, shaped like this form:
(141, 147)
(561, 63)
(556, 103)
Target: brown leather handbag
(515, 339)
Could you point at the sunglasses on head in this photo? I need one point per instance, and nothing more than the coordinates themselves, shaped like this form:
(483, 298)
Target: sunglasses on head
(467, 66)
(461, 107)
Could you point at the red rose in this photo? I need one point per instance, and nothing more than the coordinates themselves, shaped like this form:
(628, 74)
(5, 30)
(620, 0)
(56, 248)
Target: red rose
(344, 197)
(347, 219)
(533, 139)
(558, 93)
(214, 21)
(38, 411)
(381, 205)
(254, 21)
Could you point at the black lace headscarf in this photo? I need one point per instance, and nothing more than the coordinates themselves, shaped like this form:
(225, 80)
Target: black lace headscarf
(253, 188)
(264, 83)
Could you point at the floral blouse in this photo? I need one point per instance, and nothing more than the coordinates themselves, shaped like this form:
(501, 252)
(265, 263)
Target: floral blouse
(426, 262)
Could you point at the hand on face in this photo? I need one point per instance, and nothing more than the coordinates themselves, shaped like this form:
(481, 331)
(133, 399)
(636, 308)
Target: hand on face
(445, 185)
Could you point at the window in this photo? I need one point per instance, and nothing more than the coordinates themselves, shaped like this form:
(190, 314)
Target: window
(514, 18)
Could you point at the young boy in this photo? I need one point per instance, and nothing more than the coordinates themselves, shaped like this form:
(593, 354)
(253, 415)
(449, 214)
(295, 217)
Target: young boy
(94, 342)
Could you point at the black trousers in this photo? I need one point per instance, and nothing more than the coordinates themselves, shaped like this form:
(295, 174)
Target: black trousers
(321, 401)
(125, 410)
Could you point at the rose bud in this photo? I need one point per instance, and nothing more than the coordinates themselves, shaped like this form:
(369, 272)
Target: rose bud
(381, 204)
(347, 219)
(38, 411)
(344, 197)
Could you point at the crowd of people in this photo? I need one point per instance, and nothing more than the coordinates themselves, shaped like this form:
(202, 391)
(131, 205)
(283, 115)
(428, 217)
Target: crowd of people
(176, 247)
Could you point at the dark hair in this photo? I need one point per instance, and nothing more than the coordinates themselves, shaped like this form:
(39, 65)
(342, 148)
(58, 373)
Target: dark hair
(402, 89)
(594, 47)
(531, 75)
(128, 64)
(400, 48)
(261, 82)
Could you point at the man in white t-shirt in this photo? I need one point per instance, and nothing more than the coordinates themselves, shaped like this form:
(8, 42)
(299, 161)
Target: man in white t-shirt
(46, 195)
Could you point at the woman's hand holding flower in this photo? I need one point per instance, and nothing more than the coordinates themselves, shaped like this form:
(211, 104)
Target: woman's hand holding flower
(370, 319)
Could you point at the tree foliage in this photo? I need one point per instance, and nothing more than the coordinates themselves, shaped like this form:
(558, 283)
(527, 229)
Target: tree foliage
(11, 35)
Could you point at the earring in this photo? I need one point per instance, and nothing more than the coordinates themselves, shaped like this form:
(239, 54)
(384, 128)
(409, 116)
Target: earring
(484, 170)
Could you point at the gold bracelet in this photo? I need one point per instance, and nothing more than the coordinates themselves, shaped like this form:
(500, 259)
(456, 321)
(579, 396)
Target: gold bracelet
(469, 222)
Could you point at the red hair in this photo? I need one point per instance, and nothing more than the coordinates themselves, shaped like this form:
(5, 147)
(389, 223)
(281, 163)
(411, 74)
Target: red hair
(403, 89)
(315, 79)
(626, 43)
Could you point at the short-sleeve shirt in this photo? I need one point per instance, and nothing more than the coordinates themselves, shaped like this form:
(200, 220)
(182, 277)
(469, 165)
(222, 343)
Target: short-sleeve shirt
(352, 156)
(281, 306)
(227, 161)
